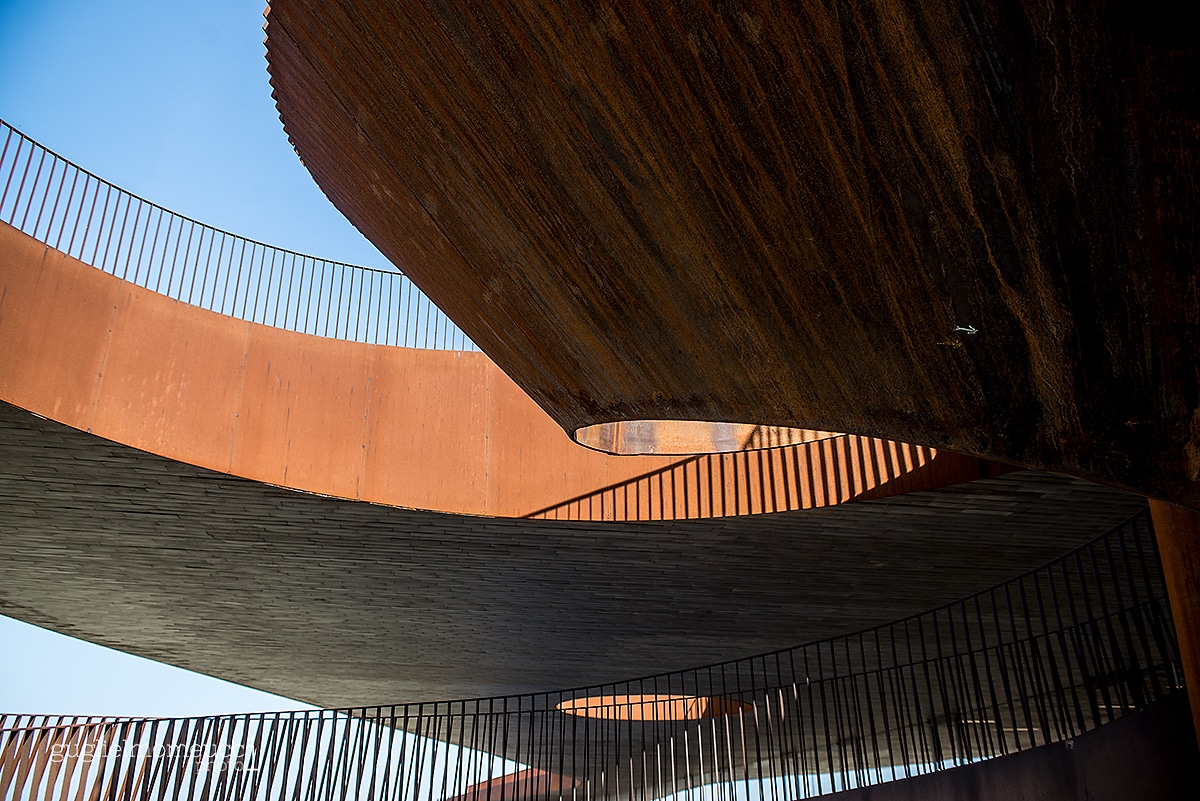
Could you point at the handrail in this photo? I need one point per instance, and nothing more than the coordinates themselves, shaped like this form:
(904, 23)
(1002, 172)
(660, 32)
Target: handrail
(1040, 658)
(77, 213)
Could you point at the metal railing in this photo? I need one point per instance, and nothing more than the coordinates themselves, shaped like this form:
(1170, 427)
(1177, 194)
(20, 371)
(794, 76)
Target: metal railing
(75, 212)
(1040, 658)
(782, 478)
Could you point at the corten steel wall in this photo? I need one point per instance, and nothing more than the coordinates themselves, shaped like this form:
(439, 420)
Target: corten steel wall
(441, 430)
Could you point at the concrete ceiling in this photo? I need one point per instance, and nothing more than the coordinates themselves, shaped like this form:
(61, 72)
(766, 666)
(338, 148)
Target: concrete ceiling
(341, 603)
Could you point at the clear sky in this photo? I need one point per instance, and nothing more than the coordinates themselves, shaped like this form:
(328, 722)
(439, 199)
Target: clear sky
(170, 101)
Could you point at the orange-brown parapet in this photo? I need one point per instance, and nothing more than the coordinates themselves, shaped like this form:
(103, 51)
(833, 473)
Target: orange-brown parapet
(439, 430)
(688, 437)
(517, 786)
(653, 707)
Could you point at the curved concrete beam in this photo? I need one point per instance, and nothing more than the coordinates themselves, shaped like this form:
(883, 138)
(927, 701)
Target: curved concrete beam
(342, 603)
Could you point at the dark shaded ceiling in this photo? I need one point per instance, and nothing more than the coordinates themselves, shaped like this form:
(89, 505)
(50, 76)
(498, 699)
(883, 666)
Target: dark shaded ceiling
(969, 225)
(342, 603)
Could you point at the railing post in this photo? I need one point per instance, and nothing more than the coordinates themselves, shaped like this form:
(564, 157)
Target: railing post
(1178, 532)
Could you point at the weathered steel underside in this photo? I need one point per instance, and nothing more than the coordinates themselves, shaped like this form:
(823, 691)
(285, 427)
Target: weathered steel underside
(961, 224)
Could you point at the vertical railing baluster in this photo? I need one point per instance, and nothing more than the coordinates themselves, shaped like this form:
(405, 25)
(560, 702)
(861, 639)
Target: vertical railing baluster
(87, 182)
(57, 197)
(1137, 604)
(32, 190)
(4, 161)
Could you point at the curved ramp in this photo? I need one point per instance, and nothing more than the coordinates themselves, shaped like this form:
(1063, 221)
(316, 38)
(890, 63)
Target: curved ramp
(340, 603)
(995, 673)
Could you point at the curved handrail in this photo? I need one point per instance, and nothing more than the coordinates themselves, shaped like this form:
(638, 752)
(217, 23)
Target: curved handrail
(59, 203)
(1040, 658)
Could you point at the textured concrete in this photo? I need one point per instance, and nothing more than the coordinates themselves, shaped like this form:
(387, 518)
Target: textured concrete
(968, 225)
(1150, 755)
(339, 602)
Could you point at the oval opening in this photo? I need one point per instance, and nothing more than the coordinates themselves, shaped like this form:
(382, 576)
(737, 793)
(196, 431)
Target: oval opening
(651, 707)
(689, 437)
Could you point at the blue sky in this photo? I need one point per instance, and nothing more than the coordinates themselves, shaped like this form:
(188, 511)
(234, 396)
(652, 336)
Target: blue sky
(170, 101)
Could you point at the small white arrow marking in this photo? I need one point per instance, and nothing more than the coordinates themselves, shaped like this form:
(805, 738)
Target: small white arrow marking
(970, 329)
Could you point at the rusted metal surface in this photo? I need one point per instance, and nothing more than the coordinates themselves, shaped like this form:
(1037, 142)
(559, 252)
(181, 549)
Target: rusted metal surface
(1178, 533)
(687, 437)
(425, 429)
(296, 411)
(652, 707)
(965, 225)
(522, 785)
